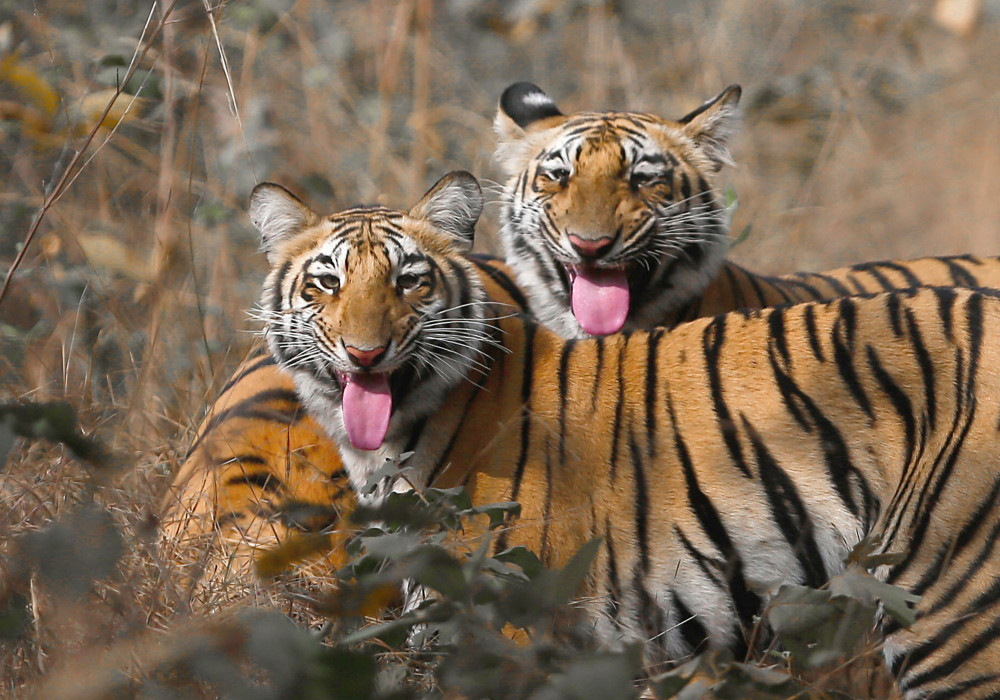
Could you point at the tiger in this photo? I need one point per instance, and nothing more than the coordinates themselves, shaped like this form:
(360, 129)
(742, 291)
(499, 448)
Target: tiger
(612, 220)
(261, 472)
(716, 460)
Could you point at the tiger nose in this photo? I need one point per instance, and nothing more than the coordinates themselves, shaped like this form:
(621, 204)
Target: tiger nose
(364, 358)
(591, 247)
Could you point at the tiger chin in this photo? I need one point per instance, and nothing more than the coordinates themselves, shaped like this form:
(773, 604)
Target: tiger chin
(610, 220)
(365, 377)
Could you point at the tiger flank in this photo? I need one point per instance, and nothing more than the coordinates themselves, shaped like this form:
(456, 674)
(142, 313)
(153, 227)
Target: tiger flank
(260, 473)
(716, 460)
(612, 220)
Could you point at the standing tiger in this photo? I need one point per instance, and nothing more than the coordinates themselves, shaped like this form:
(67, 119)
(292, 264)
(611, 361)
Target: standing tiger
(715, 460)
(611, 220)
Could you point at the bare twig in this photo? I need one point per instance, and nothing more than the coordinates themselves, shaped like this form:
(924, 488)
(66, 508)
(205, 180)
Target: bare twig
(71, 171)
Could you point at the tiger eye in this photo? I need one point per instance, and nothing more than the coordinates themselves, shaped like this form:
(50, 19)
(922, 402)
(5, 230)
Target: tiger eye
(329, 283)
(408, 282)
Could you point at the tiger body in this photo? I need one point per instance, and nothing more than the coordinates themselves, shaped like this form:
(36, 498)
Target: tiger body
(729, 455)
(717, 460)
(260, 472)
(258, 456)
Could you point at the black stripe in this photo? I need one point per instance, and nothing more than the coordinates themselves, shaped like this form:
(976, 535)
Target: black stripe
(711, 568)
(788, 511)
(713, 340)
(598, 368)
(640, 500)
(652, 341)
(739, 301)
(545, 553)
(503, 281)
(761, 299)
(746, 602)
(926, 365)
(955, 660)
(903, 269)
(693, 632)
(840, 470)
(842, 353)
(248, 408)
(443, 460)
(817, 348)
(838, 287)
(262, 480)
(616, 428)
(960, 277)
(563, 379)
(777, 336)
(614, 585)
(522, 459)
(899, 400)
(946, 300)
(257, 364)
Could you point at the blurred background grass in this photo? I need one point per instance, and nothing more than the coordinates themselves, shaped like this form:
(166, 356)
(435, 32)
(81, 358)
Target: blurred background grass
(870, 131)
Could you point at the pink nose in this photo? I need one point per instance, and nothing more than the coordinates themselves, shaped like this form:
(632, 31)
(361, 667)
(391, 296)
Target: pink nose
(364, 358)
(591, 247)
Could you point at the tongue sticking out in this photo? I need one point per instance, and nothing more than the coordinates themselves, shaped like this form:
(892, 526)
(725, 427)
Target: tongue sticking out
(367, 409)
(600, 300)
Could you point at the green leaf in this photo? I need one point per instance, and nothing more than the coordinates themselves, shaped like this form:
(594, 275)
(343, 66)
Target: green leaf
(54, 421)
(497, 512)
(435, 568)
(607, 676)
(14, 616)
(860, 585)
(375, 631)
(526, 560)
(71, 553)
(7, 438)
(816, 626)
(569, 579)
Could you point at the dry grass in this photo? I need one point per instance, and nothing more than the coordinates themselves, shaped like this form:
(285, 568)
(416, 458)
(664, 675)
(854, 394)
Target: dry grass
(870, 132)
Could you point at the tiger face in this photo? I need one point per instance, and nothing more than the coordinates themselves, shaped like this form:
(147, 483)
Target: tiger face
(610, 219)
(375, 312)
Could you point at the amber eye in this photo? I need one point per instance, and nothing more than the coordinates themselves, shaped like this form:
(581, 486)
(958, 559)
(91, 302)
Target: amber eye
(328, 283)
(643, 174)
(558, 174)
(408, 282)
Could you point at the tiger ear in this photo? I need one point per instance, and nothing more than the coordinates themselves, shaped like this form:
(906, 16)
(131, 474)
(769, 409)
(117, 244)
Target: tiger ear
(278, 215)
(521, 106)
(453, 205)
(713, 123)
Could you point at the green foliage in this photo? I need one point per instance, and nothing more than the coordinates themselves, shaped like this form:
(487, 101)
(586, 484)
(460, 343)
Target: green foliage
(55, 420)
(476, 624)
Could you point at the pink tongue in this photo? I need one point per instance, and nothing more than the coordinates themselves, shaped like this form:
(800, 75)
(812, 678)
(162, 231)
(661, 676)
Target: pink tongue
(367, 409)
(600, 300)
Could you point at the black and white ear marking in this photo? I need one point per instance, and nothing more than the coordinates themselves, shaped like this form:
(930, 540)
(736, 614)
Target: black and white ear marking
(453, 205)
(711, 124)
(278, 215)
(526, 103)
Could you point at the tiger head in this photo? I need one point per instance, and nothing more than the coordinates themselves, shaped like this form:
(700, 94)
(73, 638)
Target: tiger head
(375, 312)
(610, 219)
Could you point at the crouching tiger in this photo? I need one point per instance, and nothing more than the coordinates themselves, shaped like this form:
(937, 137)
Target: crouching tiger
(613, 219)
(715, 460)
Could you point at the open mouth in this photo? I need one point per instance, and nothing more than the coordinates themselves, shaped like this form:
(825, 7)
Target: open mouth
(367, 406)
(600, 298)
